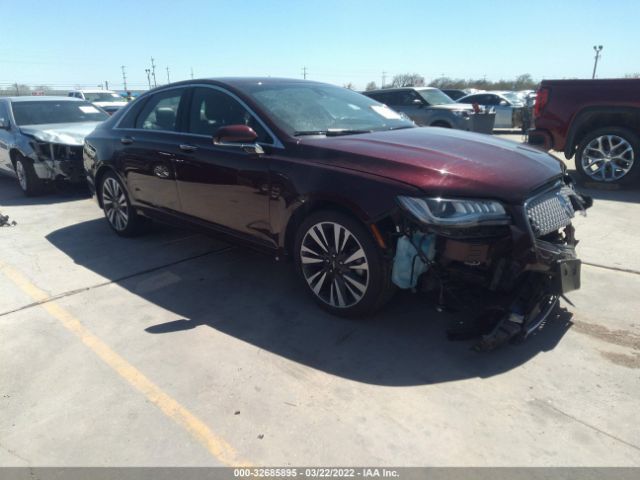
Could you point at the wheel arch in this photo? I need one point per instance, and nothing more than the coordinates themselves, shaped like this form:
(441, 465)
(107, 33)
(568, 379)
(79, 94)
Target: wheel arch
(593, 118)
(312, 206)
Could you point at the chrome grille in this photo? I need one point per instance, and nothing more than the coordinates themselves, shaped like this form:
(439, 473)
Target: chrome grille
(550, 211)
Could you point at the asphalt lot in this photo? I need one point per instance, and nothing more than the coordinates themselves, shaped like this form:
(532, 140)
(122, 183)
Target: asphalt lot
(176, 349)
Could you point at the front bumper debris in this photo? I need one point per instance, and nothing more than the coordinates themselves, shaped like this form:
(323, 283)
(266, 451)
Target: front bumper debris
(508, 279)
(59, 162)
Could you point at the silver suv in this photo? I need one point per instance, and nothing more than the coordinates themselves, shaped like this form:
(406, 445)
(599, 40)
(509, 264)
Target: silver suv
(426, 106)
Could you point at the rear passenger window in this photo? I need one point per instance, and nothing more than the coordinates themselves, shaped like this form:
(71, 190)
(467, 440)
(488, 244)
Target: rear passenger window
(161, 111)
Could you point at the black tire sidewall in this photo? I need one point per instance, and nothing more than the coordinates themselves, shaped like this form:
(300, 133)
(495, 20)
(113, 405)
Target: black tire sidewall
(633, 139)
(378, 290)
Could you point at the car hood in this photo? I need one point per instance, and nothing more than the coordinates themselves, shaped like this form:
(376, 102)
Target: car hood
(442, 162)
(63, 133)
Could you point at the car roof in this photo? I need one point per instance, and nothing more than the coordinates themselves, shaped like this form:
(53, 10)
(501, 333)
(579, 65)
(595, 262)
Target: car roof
(399, 89)
(43, 98)
(94, 90)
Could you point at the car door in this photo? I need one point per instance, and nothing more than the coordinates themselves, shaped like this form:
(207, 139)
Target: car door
(504, 111)
(149, 148)
(6, 138)
(224, 184)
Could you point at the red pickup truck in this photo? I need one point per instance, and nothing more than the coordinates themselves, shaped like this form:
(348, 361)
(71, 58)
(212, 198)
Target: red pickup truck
(598, 121)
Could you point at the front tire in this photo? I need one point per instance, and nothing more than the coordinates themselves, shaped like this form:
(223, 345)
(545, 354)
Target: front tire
(28, 181)
(122, 218)
(609, 155)
(341, 266)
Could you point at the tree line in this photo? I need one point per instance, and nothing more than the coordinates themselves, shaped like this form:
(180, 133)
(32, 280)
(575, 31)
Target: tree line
(521, 82)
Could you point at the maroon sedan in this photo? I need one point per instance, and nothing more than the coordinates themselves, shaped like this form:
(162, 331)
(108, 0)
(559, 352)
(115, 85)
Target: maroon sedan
(363, 201)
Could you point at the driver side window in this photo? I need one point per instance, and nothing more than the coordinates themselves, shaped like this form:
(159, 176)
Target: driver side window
(211, 109)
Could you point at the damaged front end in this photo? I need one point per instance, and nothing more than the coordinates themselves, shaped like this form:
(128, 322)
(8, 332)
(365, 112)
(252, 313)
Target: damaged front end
(508, 263)
(58, 162)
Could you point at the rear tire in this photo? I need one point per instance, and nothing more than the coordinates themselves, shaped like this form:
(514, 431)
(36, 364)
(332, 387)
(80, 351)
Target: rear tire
(122, 218)
(609, 155)
(28, 181)
(341, 265)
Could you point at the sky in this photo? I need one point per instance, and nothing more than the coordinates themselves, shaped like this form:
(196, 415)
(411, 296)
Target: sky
(67, 43)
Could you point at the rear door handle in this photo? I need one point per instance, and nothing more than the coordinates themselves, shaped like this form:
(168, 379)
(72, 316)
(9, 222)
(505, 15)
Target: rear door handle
(188, 148)
(126, 140)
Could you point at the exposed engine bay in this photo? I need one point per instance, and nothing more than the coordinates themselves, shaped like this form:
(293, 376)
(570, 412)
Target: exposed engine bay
(510, 266)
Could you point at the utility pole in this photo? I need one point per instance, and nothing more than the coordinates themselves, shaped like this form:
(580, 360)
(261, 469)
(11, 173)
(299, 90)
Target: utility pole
(124, 78)
(17, 89)
(384, 78)
(148, 72)
(304, 72)
(191, 73)
(597, 49)
(106, 84)
(168, 79)
(153, 72)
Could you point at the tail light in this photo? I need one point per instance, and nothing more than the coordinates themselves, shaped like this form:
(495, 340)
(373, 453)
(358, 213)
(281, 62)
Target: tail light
(541, 101)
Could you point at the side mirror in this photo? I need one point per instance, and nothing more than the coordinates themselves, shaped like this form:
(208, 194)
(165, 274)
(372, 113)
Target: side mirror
(417, 102)
(4, 124)
(235, 134)
(503, 103)
(240, 136)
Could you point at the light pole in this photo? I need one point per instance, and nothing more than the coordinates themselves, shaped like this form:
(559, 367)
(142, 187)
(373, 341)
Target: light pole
(597, 49)
(148, 77)
(124, 78)
(153, 72)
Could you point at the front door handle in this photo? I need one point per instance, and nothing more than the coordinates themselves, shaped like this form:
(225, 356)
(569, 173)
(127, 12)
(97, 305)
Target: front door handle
(188, 148)
(126, 140)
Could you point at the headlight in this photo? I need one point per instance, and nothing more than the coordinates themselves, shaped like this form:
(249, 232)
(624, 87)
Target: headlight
(460, 113)
(455, 212)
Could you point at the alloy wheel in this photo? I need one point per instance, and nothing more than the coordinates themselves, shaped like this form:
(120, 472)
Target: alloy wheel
(607, 158)
(22, 175)
(115, 204)
(334, 264)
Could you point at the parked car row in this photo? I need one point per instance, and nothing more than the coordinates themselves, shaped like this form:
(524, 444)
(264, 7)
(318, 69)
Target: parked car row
(361, 199)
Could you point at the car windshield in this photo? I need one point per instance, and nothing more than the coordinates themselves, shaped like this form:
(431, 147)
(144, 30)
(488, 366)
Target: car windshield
(102, 97)
(435, 97)
(512, 97)
(42, 112)
(305, 109)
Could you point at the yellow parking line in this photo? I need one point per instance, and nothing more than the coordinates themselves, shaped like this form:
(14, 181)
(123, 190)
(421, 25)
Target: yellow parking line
(216, 445)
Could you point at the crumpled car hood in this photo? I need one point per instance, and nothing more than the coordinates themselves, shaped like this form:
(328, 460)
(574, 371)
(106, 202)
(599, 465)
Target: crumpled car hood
(62, 133)
(442, 161)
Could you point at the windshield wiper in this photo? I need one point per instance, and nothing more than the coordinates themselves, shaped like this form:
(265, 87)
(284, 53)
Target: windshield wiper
(402, 127)
(301, 133)
(332, 132)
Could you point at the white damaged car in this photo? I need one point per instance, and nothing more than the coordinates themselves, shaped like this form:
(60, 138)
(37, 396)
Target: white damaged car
(41, 139)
